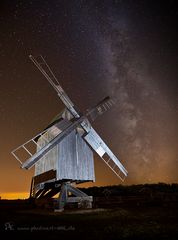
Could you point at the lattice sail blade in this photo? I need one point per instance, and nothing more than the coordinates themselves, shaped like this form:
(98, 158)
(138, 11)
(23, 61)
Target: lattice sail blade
(100, 108)
(58, 136)
(95, 141)
(44, 68)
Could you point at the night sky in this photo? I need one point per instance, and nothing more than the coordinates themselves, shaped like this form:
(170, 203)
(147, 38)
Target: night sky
(125, 49)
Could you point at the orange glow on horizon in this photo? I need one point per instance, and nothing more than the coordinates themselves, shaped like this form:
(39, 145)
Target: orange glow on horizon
(14, 195)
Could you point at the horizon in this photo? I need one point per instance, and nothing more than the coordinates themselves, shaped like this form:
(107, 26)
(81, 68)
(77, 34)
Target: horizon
(26, 195)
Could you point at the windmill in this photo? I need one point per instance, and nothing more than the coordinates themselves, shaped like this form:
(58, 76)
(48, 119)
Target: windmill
(62, 154)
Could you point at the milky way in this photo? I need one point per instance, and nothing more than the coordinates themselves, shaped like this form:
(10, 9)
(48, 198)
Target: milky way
(145, 118)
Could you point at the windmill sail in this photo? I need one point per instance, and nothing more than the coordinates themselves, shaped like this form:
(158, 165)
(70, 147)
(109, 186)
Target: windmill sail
(100, 108)
(49, 75)
(95, 141)
(59, 135)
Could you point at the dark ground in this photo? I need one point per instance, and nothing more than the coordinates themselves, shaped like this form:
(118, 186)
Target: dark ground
(140, 216)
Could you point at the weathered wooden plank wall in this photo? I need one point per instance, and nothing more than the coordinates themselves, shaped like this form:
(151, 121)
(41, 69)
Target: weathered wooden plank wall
(72, 158)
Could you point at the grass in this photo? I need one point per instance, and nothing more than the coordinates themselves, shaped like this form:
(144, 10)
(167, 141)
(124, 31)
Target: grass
(131, 222)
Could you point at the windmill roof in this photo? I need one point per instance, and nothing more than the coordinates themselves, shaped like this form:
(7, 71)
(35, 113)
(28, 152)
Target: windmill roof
(55, 119)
